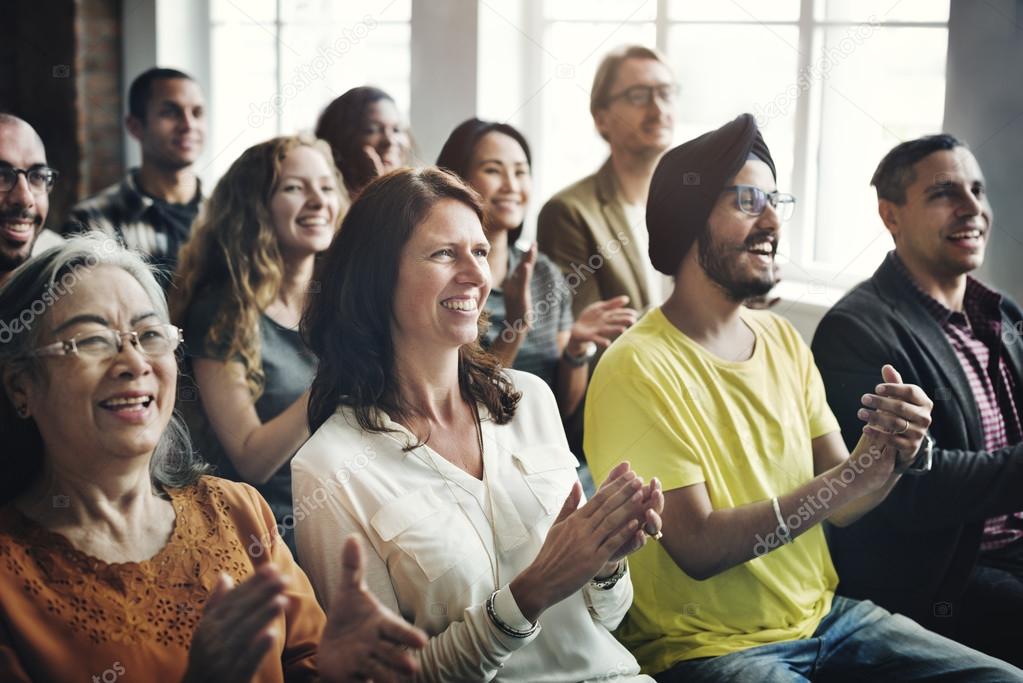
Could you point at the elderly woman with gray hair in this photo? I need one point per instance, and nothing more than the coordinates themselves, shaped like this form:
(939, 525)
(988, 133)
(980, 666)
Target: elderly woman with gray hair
(119, 556)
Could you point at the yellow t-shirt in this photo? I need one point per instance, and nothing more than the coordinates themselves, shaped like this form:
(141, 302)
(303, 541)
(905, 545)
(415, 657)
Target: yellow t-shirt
(744, 429)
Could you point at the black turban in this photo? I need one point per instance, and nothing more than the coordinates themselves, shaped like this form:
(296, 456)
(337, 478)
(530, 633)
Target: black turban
(687, 182)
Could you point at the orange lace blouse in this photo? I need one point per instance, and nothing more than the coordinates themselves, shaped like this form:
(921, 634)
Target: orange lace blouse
(66, 616)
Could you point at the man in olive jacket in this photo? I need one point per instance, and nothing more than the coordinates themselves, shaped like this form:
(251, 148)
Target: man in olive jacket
(595, 229)
(946, 547)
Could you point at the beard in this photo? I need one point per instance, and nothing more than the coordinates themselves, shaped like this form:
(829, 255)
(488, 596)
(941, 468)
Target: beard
(720, 261)
(12, 256)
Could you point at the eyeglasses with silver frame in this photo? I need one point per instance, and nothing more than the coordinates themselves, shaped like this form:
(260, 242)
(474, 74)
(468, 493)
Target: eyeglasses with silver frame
(643, 95)
(751, 200)
(151, 341)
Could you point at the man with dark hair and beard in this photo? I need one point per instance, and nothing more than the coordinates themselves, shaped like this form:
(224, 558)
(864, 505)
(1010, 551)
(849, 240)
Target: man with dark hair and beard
(725, 405)
(25, 184)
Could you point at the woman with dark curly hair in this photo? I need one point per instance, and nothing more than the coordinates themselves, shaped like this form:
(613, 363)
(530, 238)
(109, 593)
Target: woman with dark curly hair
(244, 278)
(454, 471)
(366, 135)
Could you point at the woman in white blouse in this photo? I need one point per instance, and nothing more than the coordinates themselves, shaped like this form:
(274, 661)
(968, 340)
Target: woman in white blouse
(455, 472)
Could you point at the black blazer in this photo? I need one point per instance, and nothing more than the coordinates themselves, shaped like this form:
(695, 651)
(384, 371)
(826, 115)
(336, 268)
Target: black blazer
(915, 551)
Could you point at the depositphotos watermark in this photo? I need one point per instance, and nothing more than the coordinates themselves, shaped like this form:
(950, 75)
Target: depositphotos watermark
(311, 71)
(812, 503)
(304, 507)
(63, 286)
(817, 71)
(577, 275)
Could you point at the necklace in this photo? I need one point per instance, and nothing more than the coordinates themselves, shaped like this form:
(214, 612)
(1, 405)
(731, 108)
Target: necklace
(491, 519)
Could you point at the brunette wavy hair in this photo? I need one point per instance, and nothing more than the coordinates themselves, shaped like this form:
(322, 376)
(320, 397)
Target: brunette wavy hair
(233, 253)
(348, 324)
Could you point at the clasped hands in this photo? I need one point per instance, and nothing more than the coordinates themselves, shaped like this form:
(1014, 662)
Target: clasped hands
(897, 416)
(589, 541)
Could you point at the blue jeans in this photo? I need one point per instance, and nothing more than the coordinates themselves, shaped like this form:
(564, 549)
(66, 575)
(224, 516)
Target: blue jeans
(856, 641)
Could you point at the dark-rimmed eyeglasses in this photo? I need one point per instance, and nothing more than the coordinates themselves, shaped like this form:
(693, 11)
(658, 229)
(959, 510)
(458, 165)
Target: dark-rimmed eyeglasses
(40, 178)
(100, 345)
(751, 200)
(643, 95)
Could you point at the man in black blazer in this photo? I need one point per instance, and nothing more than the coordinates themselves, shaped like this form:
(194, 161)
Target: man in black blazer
(946, 547)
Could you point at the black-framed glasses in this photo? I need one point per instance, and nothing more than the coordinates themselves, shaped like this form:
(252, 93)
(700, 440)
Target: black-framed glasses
(752, 200)
(643, 95)
(100, 345)
(40, 178)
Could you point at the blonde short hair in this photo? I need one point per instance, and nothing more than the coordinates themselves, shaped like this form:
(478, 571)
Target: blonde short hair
(607, 72)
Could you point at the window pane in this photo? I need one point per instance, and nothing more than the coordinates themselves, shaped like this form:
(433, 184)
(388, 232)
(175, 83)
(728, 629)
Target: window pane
(325, 48)
(859, 125)
(734, 10)
(883, 10)
(243, 11)
(336, 15)
(720, 82)
(329, 59)
(243, 83)
(600, 10)
(572, 147)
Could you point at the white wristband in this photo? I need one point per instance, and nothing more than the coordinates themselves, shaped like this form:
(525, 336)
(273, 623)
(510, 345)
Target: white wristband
(783, 528)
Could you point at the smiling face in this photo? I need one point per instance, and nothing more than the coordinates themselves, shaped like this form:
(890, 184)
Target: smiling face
(737, 251)
(305, 203)
(174, 129)
(499, 171)
(443, 280)
(92, 411)
(22, 210)
(384, 132)
(637, 130)
(942, 227)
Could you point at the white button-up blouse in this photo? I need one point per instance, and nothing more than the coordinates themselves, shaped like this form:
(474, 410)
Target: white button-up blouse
(438, 542)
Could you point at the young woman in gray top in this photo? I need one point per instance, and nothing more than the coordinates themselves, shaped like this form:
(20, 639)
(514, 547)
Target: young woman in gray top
(244, 278)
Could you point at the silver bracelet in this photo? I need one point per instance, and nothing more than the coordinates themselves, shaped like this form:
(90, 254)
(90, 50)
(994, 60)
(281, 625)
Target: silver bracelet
(609, 583)
(783, 528)
(503, 627)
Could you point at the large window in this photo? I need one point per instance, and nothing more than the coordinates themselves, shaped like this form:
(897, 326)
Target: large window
(277, 63)
(834, 84)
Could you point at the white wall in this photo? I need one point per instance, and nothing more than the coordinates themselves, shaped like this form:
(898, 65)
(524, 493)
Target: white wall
(443, 70)
(984, 107)
(167, 33)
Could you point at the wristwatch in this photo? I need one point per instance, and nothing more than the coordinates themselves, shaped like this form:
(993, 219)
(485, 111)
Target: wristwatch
(609, 582)
(589, 351)
(924, 458)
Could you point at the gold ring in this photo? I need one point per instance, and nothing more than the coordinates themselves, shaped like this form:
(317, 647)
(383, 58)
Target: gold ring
(904, 429)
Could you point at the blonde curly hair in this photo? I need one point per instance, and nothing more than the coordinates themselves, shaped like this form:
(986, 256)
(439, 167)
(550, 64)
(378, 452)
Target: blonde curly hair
(234, 254)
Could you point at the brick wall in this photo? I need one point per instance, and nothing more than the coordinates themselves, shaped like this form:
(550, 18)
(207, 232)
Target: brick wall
(101, 112)
(60, 65)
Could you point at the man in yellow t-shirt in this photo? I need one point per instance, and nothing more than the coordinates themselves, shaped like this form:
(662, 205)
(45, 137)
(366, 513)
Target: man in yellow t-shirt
(725, 405)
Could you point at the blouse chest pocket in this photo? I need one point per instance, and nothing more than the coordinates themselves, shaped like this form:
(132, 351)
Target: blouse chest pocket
(434, 532)
(549, 472)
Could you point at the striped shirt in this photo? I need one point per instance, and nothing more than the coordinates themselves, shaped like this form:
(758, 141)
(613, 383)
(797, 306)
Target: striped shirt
(552, 313)
(975, 336)
(153, 227)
